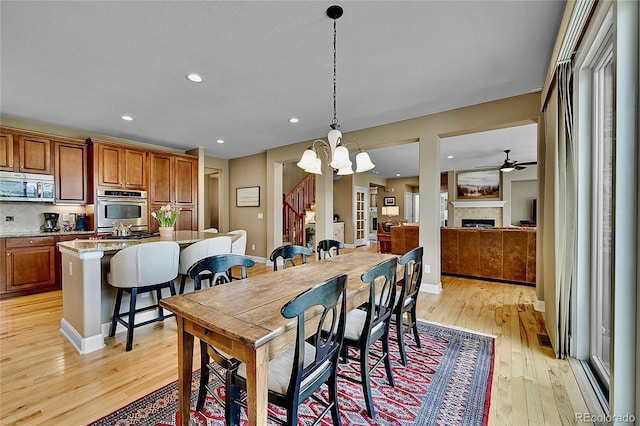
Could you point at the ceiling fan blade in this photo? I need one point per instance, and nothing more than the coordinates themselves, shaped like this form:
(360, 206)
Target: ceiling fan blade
(529, 163)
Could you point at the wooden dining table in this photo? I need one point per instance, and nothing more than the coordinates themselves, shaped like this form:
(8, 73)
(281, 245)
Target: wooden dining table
(243, 319)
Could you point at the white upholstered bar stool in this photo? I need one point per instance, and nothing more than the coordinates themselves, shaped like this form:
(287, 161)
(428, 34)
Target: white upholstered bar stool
(139, 269)
(198, 251)
(239, 246)
(211, 230)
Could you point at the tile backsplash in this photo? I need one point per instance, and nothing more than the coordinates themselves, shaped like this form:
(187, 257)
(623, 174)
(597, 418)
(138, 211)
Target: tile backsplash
(28, 217)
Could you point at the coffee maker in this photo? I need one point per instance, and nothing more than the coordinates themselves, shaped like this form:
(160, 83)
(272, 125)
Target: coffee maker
(50, 222)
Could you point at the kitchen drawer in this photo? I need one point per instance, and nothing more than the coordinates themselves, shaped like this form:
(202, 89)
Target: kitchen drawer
(30, 242)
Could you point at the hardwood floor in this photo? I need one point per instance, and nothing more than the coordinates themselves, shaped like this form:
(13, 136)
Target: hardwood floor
(43, 380)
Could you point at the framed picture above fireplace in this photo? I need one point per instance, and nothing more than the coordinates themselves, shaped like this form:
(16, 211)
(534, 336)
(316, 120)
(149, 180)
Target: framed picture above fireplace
(478, 185)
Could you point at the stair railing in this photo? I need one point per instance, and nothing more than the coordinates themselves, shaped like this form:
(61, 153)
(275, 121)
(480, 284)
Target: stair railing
(294, 205)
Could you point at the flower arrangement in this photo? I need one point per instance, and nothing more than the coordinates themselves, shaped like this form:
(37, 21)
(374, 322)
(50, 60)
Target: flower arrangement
(167, 215)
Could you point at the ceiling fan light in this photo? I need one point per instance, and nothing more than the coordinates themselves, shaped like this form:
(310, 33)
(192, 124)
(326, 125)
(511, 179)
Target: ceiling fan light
(363, 162)
(308, 159)
(341, 158)
(507, 168)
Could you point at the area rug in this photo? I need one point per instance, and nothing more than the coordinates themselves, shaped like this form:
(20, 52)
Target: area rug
(447, 382)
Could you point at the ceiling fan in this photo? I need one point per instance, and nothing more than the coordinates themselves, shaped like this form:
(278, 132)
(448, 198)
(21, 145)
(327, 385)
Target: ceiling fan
(510, 165)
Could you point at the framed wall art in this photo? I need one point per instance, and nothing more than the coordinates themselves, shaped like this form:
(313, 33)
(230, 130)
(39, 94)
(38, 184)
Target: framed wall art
(478, 185)
(248, 196)
(389, 201)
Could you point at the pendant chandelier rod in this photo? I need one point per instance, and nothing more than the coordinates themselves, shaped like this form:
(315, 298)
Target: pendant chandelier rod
(339, 153)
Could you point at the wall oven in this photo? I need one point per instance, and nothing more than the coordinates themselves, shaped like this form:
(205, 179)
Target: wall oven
(114, 207)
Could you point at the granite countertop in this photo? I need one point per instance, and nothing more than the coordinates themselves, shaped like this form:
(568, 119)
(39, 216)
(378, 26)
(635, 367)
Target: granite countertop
(113, 245)
(42, 234)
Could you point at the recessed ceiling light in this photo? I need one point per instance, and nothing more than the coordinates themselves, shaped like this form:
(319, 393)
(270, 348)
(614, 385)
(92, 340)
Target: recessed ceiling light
(398, 174)
(127, 118)
(220, 141)
(196, 78)
(449, 157)
(294, 120)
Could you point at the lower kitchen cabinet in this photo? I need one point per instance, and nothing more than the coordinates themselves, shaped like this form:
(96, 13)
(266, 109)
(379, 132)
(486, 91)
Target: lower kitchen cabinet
(29, 266)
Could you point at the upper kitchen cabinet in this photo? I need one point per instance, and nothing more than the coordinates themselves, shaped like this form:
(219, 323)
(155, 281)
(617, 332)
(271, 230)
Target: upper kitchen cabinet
(70, 161)
(34, 154)
(24, 152)
(6, 151)
(118, 166)
(173, 179)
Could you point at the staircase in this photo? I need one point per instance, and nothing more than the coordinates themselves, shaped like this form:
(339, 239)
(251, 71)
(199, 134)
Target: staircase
(294, 207)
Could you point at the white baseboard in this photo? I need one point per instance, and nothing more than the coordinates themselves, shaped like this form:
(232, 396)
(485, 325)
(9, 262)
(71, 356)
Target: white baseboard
(83, 345)
(431, 288)
(538, 305)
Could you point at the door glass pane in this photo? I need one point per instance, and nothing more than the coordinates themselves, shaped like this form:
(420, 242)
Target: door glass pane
(603, 211)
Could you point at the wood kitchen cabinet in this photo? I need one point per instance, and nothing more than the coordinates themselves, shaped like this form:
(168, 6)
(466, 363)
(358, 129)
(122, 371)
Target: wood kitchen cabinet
(173, 179)
(118, 166)
(6, 151)
(25, 152)
(29, 266)
(71, 172)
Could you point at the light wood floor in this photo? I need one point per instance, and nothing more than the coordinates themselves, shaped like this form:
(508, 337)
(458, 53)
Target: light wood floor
(43, 380)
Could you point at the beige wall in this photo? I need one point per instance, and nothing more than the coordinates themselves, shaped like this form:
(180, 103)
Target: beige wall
(244, 172)
(396, 188)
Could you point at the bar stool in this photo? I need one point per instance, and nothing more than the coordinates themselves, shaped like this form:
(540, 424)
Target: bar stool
(190, 255)
(239, 246)
(140, 269)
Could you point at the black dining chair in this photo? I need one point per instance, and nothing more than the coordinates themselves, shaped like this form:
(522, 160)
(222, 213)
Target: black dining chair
(219, 267)
(288, 253)
(370, 323)
(407, 299)
(296, 374)
(325, 248)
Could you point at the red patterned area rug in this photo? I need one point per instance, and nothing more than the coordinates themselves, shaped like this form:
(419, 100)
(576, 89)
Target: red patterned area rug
(447, 382)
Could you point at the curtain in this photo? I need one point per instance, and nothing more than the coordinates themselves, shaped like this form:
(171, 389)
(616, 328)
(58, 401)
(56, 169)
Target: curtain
(565, 206)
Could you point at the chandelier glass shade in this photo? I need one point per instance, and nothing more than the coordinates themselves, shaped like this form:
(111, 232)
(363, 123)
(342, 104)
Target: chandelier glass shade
(336, 151)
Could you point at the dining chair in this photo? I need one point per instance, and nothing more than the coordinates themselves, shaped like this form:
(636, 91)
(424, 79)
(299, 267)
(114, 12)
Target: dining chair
(220, 267)
(200, 250)
(288, 253)
(327, 247)
(407, 299)
(370, 323)
(299, 372)
(140, 269)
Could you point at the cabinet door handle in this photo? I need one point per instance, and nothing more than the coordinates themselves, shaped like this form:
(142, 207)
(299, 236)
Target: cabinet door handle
(30, 241)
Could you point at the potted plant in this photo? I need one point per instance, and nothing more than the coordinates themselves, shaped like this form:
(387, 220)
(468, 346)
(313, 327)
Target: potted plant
(166, 217)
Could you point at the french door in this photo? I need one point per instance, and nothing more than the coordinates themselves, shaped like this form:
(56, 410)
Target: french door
(361, 216)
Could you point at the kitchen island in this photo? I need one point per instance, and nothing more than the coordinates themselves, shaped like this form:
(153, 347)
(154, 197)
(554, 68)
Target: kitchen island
(87, 298)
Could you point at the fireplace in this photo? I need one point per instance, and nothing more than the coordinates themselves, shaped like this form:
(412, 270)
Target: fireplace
(478, 223)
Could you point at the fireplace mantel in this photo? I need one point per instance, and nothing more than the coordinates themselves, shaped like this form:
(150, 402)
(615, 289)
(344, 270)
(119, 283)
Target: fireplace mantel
(479, 203)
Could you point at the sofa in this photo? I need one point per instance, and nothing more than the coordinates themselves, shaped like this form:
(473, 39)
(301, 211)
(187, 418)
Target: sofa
(404, 237)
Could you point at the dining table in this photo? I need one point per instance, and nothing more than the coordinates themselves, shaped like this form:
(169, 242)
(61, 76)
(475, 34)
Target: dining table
(243, 318)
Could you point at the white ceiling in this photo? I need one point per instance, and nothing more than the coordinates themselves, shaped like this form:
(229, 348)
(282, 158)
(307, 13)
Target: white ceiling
(82, 65)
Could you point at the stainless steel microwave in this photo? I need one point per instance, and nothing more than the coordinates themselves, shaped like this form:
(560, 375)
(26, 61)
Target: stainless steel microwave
(26, 187)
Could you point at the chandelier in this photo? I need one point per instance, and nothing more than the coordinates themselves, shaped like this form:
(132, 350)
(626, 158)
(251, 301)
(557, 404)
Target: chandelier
(335, 150)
